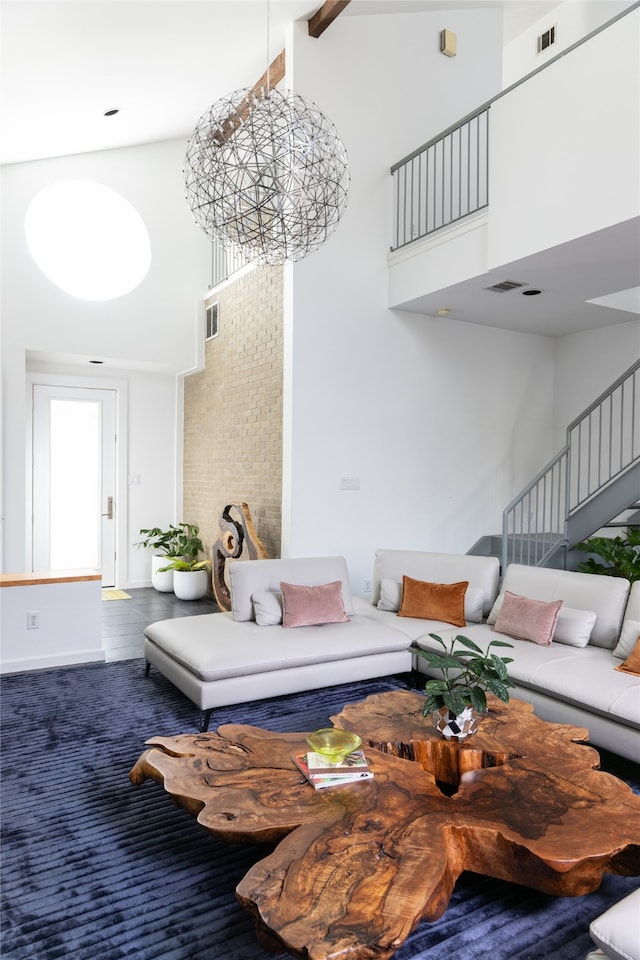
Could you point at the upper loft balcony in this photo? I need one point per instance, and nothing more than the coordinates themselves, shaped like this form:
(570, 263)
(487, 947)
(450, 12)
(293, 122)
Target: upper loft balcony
(539, 188)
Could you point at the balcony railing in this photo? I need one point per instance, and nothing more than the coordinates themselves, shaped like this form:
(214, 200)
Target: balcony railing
(443, 181)
(448, 178)
(224, 262)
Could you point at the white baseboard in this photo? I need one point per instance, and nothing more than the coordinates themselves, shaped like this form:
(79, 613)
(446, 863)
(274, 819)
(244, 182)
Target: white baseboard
(55, 660)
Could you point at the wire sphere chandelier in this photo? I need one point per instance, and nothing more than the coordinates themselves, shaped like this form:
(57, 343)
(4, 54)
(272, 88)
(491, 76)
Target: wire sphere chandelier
(266, 171)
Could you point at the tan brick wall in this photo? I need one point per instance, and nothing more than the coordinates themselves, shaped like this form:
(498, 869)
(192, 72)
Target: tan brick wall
(233, 412)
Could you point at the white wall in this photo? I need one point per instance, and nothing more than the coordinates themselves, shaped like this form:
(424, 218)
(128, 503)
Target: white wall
(61, 638)
(587, 118)
(573, 19)
(441, 421)
(147, 336)
(586, 365)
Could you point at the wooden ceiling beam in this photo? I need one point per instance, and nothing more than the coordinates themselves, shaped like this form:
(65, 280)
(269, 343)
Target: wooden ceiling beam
(275, 72)
(269, 79)
(325, 16)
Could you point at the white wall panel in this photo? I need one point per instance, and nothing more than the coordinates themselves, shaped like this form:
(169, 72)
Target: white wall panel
(441, 421)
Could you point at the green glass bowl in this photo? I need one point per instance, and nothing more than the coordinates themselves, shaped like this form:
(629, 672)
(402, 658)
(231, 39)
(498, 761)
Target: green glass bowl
(334, 744)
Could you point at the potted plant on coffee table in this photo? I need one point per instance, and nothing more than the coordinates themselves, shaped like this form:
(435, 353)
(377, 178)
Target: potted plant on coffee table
(178, 541)
(457, 702)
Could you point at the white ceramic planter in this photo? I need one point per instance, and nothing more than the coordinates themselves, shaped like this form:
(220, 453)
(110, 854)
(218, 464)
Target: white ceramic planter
(190, 584)
(163, 582)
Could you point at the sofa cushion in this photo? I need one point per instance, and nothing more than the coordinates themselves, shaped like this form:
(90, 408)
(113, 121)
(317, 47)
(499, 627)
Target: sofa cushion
(411, 627)
(617, 931)
(212, 648)
(247, 577)
(628, 638)
(267, 607)
(481, 572)
(604, 596)
(390, 595)
(391, 599)
(433, 601)
(573, 627)
(304, 606)
(527, 619)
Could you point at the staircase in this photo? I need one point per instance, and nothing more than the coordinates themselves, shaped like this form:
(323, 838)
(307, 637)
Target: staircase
(591, 484)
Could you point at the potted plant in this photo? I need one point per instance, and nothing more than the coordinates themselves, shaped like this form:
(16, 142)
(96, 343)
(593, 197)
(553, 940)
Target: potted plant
(190, 577)
(620, 555)
(178, 541)
(457, 701)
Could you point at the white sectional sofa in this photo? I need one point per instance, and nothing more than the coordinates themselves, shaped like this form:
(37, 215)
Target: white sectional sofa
(231, 658)
(565, 683)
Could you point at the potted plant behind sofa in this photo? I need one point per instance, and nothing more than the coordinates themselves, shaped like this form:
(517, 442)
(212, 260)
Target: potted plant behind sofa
(179, 541)
(457, 702)
(620, 556)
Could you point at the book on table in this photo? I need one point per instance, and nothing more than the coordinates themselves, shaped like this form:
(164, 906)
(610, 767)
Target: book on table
(320, 772)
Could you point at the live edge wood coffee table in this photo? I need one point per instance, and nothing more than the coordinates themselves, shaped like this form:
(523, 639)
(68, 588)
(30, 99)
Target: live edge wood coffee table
(356, 868)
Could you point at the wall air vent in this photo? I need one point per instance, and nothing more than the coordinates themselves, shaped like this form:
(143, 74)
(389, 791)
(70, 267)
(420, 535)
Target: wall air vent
(547, 39)
(505, 286)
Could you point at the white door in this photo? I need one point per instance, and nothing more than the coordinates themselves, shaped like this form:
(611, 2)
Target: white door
(74, 477)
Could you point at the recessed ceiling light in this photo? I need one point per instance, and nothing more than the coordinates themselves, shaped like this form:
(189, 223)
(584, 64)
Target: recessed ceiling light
(531, 293)
(111, 113)
(443, 311)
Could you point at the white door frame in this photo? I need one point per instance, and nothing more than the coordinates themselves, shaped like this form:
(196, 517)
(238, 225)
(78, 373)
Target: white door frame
(122, 488)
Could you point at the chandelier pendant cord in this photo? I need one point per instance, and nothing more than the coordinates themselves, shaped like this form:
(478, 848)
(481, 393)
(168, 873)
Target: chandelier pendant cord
(268, 44)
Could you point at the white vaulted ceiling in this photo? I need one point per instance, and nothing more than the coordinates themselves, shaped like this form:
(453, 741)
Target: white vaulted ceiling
(161, 63)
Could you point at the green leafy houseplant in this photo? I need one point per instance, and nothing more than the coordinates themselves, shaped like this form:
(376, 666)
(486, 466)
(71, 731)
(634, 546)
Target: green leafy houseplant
(186, 566)
(620, 555)
(179, 540)
(466, 676)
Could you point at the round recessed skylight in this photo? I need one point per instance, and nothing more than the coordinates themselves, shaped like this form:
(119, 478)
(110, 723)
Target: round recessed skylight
(88, 239)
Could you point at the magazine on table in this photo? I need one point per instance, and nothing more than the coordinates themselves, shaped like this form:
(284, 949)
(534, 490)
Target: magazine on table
(320, 772)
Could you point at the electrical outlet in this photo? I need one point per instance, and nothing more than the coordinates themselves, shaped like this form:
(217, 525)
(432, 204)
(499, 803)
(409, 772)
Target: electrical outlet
(367, 586)
(349, 483)
(33, 620)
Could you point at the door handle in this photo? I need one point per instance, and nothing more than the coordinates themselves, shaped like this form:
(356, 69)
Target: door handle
(109, 513)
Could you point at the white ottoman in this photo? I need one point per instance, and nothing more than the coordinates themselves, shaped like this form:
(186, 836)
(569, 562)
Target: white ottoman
(617, 931)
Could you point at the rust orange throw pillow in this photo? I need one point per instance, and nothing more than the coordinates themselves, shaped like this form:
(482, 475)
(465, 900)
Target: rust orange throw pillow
(632, 663)
(434, 601)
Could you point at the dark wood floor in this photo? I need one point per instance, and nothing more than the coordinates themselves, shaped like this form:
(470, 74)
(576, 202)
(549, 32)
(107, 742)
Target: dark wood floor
(123, 621)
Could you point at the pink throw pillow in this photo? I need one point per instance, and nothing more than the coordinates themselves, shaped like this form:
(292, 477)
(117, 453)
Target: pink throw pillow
(304, 606)
(527, 619)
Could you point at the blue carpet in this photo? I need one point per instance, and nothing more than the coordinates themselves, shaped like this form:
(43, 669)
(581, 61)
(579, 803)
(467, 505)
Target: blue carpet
(97, 869)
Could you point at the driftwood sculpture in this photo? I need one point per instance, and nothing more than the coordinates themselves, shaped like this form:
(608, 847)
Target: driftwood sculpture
(234, 535)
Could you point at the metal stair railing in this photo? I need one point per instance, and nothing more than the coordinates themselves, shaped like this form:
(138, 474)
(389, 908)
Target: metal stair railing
(602, 444)
(534, 523)
(605, 439)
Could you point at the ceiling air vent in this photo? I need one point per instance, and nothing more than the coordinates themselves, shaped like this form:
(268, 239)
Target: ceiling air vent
(505, 286)
(547, 39)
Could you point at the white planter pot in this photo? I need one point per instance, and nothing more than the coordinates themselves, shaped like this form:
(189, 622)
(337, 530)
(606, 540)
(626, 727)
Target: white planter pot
(190, 584)
(163, 582)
